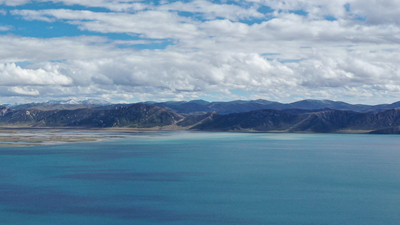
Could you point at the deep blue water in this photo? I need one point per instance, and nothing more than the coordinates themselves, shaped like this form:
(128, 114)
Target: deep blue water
(205, 178)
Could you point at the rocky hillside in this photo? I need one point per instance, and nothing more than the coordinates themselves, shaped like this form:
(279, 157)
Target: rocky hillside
(136, 115)
(200, 107)
(266, 120)
(320, 122)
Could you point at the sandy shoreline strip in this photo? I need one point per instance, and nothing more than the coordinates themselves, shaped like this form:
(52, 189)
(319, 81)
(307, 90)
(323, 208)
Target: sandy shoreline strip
(36, 136)
(16, 136)
(19, 137)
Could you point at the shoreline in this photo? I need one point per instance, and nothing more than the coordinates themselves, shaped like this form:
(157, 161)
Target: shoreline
(39, 136)
(27, 137)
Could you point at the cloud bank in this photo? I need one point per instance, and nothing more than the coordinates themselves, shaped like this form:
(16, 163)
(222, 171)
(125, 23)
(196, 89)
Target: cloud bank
(138, 51)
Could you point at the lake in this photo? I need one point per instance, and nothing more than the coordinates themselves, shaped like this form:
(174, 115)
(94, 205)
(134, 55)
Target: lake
(199, 178)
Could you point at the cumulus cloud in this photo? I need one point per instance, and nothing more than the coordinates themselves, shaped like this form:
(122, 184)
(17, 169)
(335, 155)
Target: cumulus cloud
(33, 15)
(24, 91)
(163, 24)
(14, 2)
(115, 5)
(158, 74)
(291, 51)
(212, 11)
(208, 9)
(19, 49)
(373, 12)
(377, 12)
(12, 75)
(5, 28)
(151, 24)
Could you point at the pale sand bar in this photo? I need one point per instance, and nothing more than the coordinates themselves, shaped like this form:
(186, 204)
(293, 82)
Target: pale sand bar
(18, 137)
(35, 136)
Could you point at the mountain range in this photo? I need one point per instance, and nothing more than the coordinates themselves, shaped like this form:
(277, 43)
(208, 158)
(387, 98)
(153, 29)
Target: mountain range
(201, 106)
(67, 104)
(321, 116)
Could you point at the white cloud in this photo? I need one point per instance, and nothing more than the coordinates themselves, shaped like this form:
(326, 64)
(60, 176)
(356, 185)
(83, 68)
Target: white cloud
(14, 2)
(12, 75)
(281, 58)
(157, 74)
(5, 28)
(19, 49)
(374, 12)
(151, 24)
(377, 12)
(209, 9)
(33, 15)
(24, 91)
(135, 42)
(212, 11)
(284, 27)
(114, 5)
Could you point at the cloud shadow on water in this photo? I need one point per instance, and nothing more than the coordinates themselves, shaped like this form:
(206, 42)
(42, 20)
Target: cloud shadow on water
(34, 201)
(38, 201)
(112, 177)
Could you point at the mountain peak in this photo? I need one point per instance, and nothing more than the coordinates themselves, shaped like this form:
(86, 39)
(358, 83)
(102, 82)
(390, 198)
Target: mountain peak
(200, 102)
(83, 102)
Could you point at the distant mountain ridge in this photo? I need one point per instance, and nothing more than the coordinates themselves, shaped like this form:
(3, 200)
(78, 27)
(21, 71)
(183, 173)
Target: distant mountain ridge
(201, 106)
(302, 116)
(265, 120)
(197, 107)
(325, 121)
(136, 115)
(62, 104)
(83, 102)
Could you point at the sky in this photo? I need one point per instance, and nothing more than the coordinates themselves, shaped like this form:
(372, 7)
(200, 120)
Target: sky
(159, 50)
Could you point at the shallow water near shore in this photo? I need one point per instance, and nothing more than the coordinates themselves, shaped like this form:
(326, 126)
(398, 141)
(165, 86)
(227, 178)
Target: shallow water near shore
(198, 178)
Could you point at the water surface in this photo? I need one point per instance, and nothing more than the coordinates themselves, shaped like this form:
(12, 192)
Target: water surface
(204, 178)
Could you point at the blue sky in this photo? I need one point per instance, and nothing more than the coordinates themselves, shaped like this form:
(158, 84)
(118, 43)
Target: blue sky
(128, 51)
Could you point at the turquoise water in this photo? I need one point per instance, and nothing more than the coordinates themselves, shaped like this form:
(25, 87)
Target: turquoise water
(204, 178)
